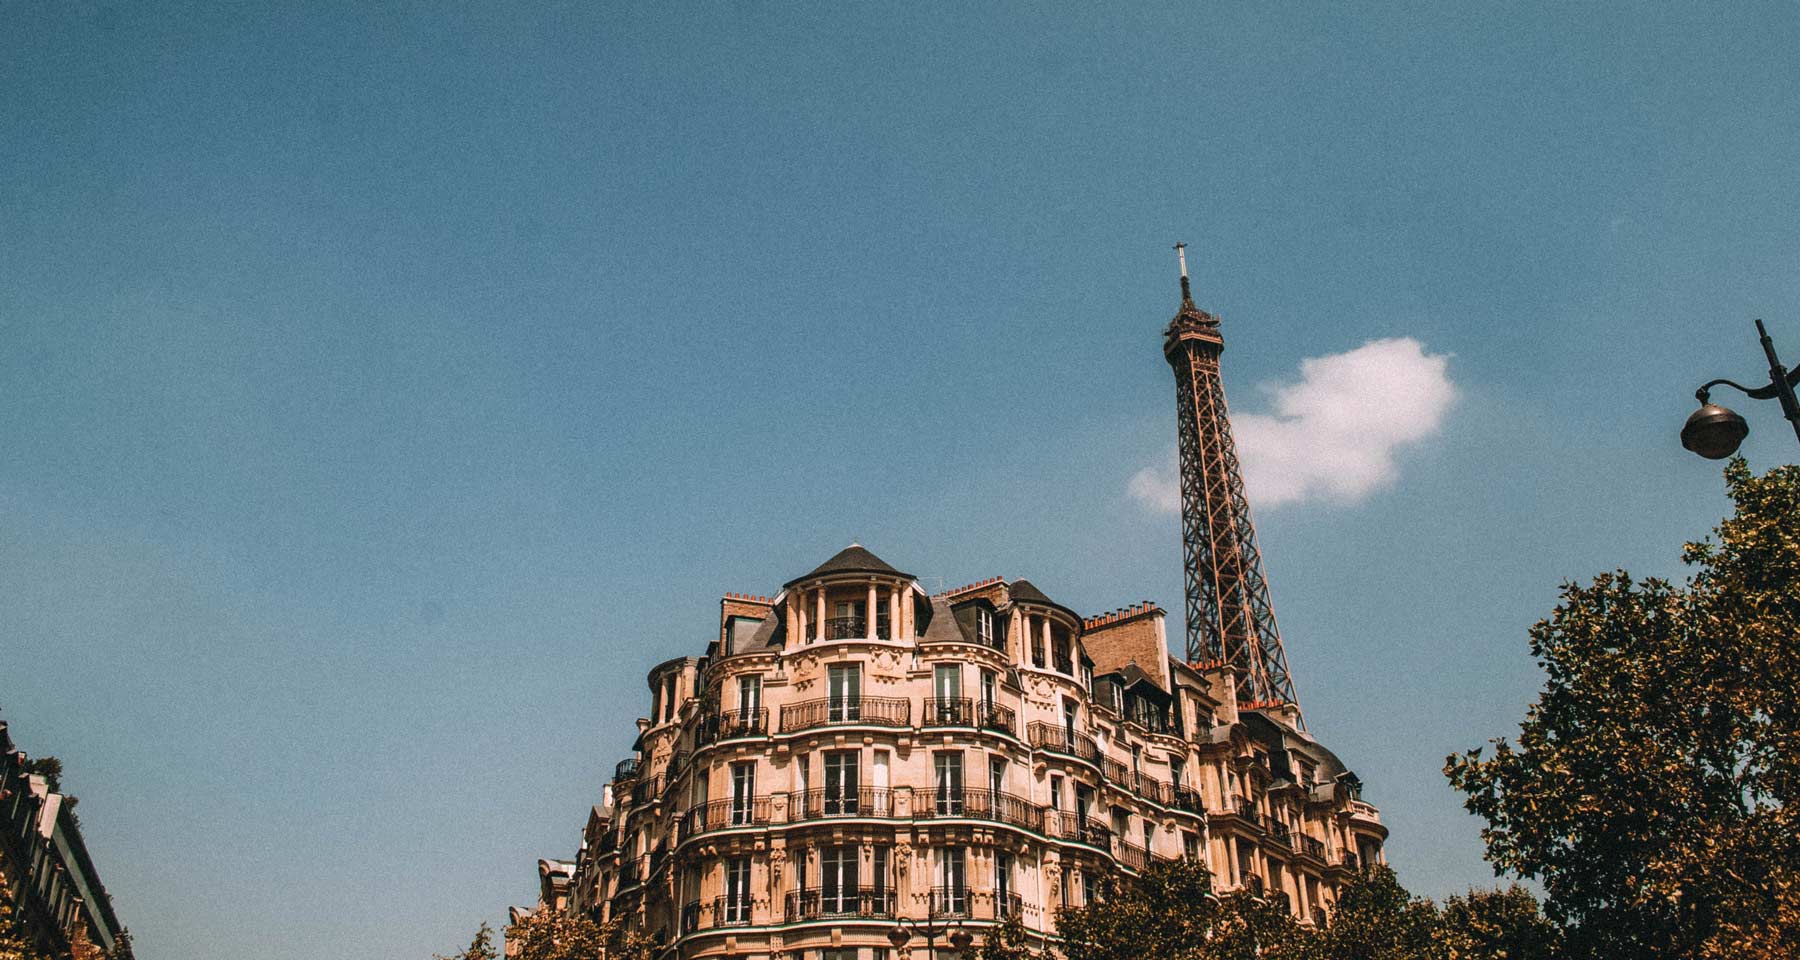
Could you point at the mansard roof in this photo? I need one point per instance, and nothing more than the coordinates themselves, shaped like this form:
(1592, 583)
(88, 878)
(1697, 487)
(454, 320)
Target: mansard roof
(854, 558)
(1022, 590)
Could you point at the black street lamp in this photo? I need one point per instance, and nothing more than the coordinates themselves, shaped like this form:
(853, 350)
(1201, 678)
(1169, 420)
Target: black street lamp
(960, 939)
(1714, 432)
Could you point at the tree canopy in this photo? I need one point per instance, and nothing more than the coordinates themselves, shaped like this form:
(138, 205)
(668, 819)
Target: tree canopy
(1651, 788)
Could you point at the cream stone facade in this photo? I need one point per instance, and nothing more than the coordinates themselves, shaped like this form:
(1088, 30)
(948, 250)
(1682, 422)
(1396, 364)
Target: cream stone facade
(852, 751)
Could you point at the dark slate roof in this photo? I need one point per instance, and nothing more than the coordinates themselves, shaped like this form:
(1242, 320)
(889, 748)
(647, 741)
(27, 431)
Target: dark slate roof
(852, 559)
(1024, 590)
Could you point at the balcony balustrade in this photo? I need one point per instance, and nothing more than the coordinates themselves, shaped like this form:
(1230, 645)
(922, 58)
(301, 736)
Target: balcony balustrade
(723, 815)
(866, 711)
(731, 724)
(1278, 832)
(854, 802)
(979, 805)
(949, 712)
(647, 789)
(1049, 736)
(1069, 826)
(996, 717)
(950, 902)
(854, 628)
(840, 903)
(731, 911)
(1154, 790)
(1131, 856)
(1312, 847)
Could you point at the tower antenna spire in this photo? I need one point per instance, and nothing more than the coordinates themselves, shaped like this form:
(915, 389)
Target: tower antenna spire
(1187, 296)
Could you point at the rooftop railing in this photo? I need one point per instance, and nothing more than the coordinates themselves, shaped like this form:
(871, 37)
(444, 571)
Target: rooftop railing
(867, 711)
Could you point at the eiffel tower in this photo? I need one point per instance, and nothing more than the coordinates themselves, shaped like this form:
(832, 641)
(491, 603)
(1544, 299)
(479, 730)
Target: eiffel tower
(1229, 618)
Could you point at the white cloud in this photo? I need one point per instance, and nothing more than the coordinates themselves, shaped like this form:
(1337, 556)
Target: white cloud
(1333, 434)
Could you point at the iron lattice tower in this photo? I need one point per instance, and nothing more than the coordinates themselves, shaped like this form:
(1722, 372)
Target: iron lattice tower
(1229, 617)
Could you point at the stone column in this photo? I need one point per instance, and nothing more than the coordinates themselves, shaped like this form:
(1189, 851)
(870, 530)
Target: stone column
(821, 608)
(869, 612)
(893, 613)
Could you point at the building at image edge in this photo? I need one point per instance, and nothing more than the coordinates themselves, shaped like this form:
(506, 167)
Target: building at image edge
(820, 773)
(45, 871)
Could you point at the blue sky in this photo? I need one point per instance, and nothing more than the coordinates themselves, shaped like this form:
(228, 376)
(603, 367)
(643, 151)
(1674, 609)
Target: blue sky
(385, 389)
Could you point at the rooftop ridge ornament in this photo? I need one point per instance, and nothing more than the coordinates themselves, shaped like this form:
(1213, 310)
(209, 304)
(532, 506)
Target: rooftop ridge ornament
(1229, 616)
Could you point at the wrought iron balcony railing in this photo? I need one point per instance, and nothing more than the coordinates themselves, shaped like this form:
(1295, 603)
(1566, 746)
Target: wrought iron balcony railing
(979, 805)
(950, 902)
(1049, 736)
(731, 911)
(1189, 800)
(626, 769)
(1278, 832)
(725, 814)
(852, 628)
(731, 724)
(1069, 826)
(1153, 790)
(868, 711)
(1009, 905)
(1348, 858)
(949, 712)
(996, 717)
(1312, 847)
(840, 902)
(1116, 772)
(852, 802)
(647, 789)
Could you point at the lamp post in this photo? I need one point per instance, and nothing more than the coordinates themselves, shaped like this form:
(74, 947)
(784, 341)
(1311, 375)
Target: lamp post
(1714, 432)
(902, 933)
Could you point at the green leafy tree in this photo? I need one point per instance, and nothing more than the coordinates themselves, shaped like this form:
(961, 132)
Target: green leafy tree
(480, 948)
(1497, 925)
(547, 935)
(1008, 941)
(1652, 786)
(1375, 918)
(1171, 912)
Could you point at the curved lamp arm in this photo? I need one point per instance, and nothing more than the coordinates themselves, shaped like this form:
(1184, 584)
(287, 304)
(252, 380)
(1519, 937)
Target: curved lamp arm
(1767, 391)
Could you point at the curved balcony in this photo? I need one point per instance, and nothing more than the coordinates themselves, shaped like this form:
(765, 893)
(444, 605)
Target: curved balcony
(1049, 736)
(723, 815)
(626, 769)
(1116, 773)
(1064, 825)
(979, 805)
(996, 717)
(854, 628)
(730, 911)
(647, 789)
(841, 903)
(1132, 857)
(730, 725)
(857, 802)
(845, 711)
(949, 712)
(950, 902)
